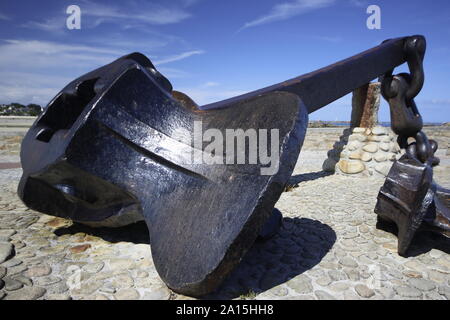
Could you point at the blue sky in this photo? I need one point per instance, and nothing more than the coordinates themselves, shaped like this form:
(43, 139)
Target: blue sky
(213, 49)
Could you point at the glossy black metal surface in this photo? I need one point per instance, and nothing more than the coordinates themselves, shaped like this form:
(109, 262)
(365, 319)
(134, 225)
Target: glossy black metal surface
(119, 140)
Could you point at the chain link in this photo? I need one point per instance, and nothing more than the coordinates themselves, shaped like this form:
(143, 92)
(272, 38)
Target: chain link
(400, 91)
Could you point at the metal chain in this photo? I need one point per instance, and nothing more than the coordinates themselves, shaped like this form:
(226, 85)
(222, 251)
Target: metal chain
(400, 91)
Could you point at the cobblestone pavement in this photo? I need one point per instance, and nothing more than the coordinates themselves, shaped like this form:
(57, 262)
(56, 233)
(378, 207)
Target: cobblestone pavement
(328, 248)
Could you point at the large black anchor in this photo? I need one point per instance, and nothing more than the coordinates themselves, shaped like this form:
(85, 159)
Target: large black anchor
(120, 140)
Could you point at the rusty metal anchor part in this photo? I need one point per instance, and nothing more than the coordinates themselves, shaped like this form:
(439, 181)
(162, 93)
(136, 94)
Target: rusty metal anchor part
(119, 140)
(409, 197)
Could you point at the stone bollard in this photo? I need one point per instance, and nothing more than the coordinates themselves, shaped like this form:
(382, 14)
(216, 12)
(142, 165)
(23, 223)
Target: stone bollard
(365, 148)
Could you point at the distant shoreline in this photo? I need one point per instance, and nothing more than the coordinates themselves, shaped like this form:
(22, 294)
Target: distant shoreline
(339, 124)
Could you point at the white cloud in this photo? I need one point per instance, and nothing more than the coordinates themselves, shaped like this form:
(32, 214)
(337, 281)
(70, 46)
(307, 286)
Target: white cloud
(29, 67)
(56, 24)
(359, 3)
(287, 10)
(203, 96)
(37, 54)
(178, 57)
(437, 101)
(137, 11)
(332, 39)
(4, 17)
(210, 84)
(27, 87)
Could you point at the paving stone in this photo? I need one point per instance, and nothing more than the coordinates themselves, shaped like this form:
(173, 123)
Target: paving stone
(6, 251)
(11, 284)
(445, 291)
(11, 263)
(322, 295)
(57, 288)
(364, 291)
(422, 284)
(2, 272)
(337, 275)
(122, 281)
(348, 262)
(5, 234)
(38, 271)
(127, 294)
(339, 286)
(408, 292)
(16, 270)
(94, 267)
(301, 284)
(26, 293)
(157, 293)
(324, 281)
(87, 288)
(58, 296)
(26, 281)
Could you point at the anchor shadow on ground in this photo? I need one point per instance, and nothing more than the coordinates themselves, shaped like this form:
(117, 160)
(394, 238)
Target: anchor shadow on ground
(424, 241)
(299, 245)
(304, 177)
(136, 233)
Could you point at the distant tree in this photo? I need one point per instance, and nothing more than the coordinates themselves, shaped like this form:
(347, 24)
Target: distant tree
(18, 109)
(34, 109)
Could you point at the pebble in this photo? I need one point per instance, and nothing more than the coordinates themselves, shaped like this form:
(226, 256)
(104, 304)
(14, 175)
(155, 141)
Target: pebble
(38, 271)
(93, 267)
(122, 281)
(364, 291)
(57, 288)
(26, 293)
(5, 234)
(322, 295)
(324, 281)
(11, 263)
(79, 249)
(301, 284)
(26, 281)
(2, 272)
(339, 286)
(409, 292)
(108, 289)
(157, 293)
(337, 275)
(46, 280)
(348, 262)
(6, 250)
(58, 296)
(11, 284)
(422, 284)
(16, 270)
(87, 288)
(127, 294)
(445, 291)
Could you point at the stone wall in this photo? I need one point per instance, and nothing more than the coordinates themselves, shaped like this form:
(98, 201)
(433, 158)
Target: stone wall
(325, 138)
(363, 151)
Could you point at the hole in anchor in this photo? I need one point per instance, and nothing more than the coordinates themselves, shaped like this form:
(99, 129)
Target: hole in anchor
(65, 110)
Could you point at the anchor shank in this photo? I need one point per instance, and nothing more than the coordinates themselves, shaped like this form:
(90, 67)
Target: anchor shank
(321, 87)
